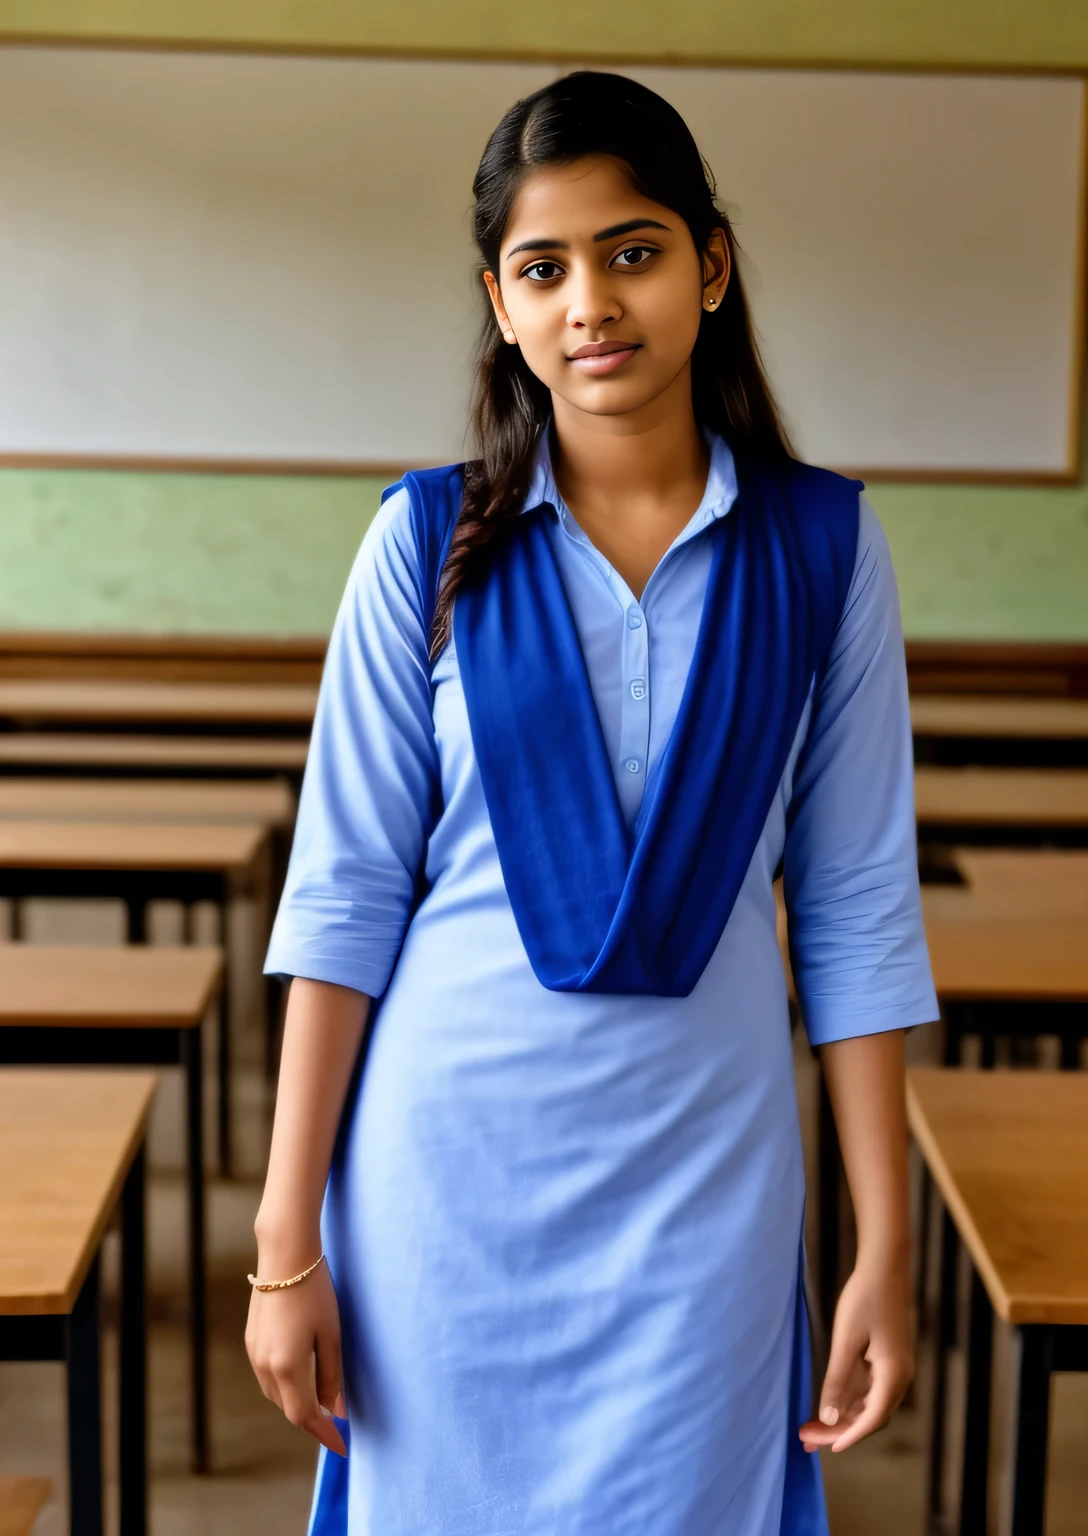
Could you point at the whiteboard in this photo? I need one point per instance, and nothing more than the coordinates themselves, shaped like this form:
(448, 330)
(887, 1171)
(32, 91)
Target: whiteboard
(267, 261)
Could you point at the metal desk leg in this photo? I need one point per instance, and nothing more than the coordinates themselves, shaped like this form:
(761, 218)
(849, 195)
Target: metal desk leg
(225, 1139)
(133, 1354)
(925, 1225)
(976, 1438)
(1024, 1513)
(136, 908)
(82, 1355)
(191, 1058)
(944, 1338)
(830, 1206)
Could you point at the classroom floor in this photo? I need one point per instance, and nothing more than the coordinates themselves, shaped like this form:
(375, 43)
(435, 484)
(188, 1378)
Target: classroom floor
(263, 1467)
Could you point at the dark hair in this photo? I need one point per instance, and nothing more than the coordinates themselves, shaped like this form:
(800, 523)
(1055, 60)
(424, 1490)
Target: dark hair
(591, 113)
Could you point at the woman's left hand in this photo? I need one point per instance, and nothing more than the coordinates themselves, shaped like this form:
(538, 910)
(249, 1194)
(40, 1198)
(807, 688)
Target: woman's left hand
(871, 1362)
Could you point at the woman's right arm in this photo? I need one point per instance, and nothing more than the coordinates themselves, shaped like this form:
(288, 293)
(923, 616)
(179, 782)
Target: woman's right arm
(369, 795)
(293, 1335)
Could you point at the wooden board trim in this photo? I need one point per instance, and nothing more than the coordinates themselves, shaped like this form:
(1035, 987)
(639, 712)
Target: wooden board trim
(198, 464)
(362, 469)
(831, 63)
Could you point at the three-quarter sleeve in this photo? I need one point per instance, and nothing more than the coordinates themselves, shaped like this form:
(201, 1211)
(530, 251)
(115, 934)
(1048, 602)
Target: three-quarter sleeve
(371, 785)
(857, 940)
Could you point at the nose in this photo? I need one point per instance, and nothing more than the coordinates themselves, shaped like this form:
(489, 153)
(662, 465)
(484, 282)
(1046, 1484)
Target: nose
(593, 302)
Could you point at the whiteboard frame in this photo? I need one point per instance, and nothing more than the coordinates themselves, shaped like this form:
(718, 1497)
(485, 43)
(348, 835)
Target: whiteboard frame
(1077, 390)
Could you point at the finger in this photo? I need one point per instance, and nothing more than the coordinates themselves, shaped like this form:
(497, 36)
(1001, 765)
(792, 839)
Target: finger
(329, 1370)
(880, 1404)
(846, 1379)
(267, 1383)
(815, 1436)
(305, 1412)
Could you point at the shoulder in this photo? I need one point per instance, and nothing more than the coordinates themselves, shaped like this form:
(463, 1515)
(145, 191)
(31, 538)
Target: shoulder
(819, 513)
(869, 623)
(406, 539)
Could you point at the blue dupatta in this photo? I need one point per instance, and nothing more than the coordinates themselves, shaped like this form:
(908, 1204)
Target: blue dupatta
(599, 909)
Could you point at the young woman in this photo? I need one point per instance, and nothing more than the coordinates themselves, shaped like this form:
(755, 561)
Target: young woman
(584, 696)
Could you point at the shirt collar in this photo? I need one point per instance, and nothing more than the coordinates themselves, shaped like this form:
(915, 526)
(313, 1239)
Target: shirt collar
(719, 496)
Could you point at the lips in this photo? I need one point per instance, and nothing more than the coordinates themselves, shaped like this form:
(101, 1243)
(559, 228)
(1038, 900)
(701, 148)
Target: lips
(600, 357)
(603, 349)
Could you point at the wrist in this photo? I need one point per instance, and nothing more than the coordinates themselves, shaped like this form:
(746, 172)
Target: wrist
(285, 1245)
(886, 1253)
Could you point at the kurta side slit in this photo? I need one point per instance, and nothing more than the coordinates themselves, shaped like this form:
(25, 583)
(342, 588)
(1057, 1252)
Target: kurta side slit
(565, 1227)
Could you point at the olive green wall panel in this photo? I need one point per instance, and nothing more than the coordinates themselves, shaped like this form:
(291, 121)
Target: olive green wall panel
(81, 549)
(1033, 34)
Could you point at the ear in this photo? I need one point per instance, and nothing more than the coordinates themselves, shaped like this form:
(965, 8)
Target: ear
(717, 265)
(491, 283)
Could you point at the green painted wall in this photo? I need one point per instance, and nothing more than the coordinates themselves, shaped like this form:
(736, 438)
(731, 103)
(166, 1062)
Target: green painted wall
(83, 549)
(925, 33)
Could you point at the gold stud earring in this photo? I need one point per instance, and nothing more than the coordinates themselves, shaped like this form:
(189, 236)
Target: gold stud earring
(710, 303)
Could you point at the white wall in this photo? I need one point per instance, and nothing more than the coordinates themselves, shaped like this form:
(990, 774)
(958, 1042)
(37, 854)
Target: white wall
(269, 258)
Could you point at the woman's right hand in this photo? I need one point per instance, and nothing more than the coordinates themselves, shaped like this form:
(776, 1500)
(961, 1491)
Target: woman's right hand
(293, 1342)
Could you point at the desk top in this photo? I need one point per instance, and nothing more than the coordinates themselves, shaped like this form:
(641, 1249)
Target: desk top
(167, 845)
(134, 701)
(1025, 883)
(938, 714)
(1009, 1153)
(67, 1140)
(21, 1498)
(1001, 797)
(979, 954)
(256, 800)
(119, 986)
(249, 754)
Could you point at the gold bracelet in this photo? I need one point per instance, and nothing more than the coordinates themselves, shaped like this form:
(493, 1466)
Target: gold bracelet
(281, 1285)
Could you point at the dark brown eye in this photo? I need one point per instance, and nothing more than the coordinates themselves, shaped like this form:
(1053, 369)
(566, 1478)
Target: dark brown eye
(634, 256)
(541, 271)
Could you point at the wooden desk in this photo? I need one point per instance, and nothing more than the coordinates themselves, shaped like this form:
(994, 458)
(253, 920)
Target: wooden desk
(227, 848)
(266, 802)
(1006, 716)
(980, 954)
(991, 958)
(21, 1499)
(1009, 1153)
(138, 863)
(31, 702)
(1022, 883)
(71, 1150)
(1001, 798)
(142, 1005)
(58, 752)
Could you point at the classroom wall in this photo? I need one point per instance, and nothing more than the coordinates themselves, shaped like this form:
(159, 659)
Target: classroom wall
(83, 549)
(255, 554)
(1029, 34)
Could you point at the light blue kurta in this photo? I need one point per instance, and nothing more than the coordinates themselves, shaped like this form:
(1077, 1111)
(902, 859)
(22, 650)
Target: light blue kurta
(565, 1228)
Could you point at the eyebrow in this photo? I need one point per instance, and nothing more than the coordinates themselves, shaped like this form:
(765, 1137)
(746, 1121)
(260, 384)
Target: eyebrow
(612, 233)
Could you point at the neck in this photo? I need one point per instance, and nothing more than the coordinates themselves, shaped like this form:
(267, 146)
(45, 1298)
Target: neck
(642, 459)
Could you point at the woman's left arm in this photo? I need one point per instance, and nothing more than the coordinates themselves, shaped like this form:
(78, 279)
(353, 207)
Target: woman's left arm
(858, 951)
(871, 1360)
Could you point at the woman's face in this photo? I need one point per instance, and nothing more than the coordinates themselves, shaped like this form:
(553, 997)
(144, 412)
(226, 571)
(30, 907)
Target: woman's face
(602, 289)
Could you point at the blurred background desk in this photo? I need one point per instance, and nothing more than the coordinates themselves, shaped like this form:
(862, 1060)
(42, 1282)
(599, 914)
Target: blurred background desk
(1009, 1153)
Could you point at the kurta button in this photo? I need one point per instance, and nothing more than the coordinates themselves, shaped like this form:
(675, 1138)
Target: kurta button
(632, 765)
(638, 688)
(634, 619)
